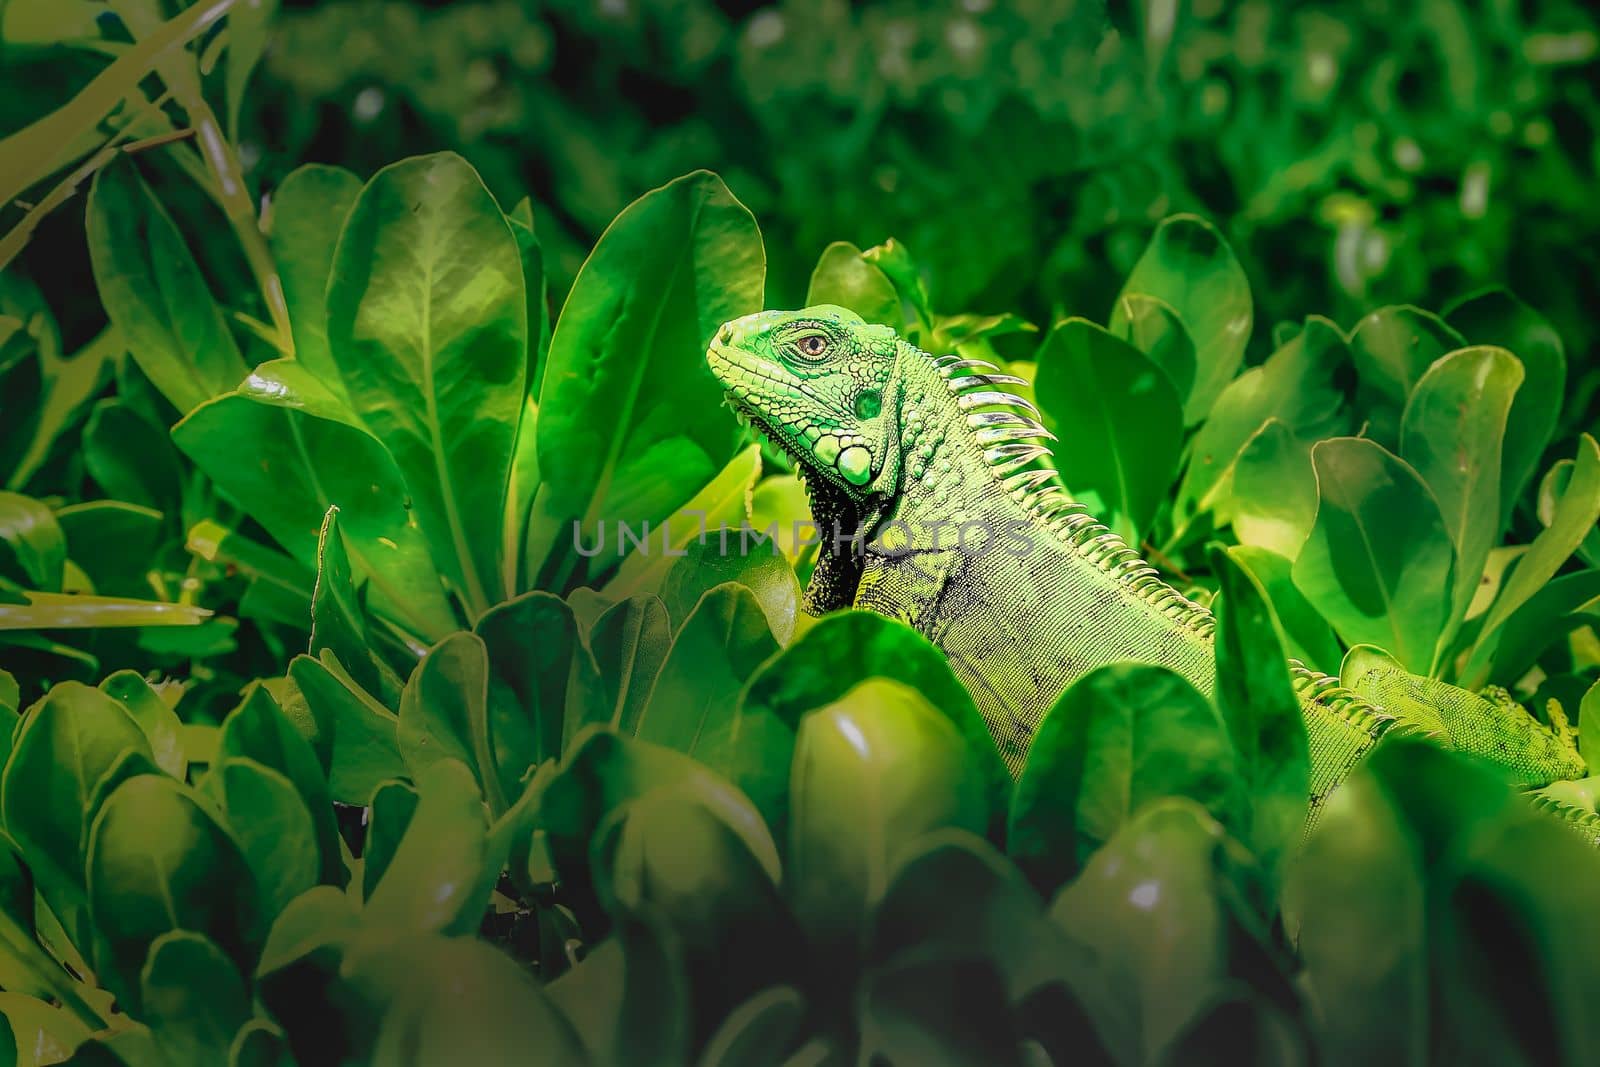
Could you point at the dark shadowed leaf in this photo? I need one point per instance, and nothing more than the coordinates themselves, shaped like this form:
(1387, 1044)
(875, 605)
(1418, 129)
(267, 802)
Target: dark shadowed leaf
(193, 997)
(444, 713)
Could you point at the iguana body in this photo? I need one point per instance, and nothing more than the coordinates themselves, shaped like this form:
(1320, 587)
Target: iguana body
(973, 541)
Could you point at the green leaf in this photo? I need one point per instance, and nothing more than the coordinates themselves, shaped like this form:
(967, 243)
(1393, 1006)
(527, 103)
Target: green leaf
(41, 1033)
(280, 587)
(338, 622)
(155, 294)
(761, 1032)
(156, 863)
(249, 25)
(532, 642)
(461, 1001)
(1274, 490)
(627, 360)
(1496, 317)
(1451, 432)
(308, 211)
(35, 538)
(273, 827)
(444, 714)
(69, 611)
(630, 642)
(825, 663)
(67, 742)
(1262, 712)
(1565, 603)
(715, 515)
(873, 771)
(427, 321)
(628, 999)
(394, 804)
(1154, 328)
(1551, 489)
(316, 464)
(131, 457)
(1118, 738)
(1573, 519)
(365, 744)
(440, 877)
(894, 259)
(1392, 348)
(69, 384)
(193, 998)
(161, 725)
(1149, 906)
(693, 706)
(114, 543)
(1589, 726)
(1306, 636)
(938, 1012)
(1190, 267)
(844, 278)
(1359, 913)
(1295, 384)
(1379, 564)
(767, 575)
(1123, 417)
(671, 856)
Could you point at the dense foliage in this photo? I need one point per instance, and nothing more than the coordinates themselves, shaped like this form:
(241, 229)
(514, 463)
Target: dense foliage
(344, 725)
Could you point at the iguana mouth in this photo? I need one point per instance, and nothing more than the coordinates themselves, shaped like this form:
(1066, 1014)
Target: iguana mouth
(835, 513)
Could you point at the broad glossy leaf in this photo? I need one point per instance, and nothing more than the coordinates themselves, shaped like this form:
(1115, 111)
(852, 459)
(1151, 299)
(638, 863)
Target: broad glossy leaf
(693, 706)
(365, 745)
(338, 621)
(532, 641)
(320, 463)
(1149, 905)
(1274, 490)
(828, 660)
(629, 999)
(1190, 267)
(161, 725)
(768, 576)
(30, 530)
(761, 1032)
(1154, 328)
(268, 818)
(1452, 432)
(157, 862)
(1356, 902)
(68, 741)
(1262, 712)
(627, 360)
(308, 211)
(427, 322)
(440, 877)
(670, 855)
(393, 806)
(602, 772)
(873, 771)
(444, 713)
(1000, 917)
(1122, 416)
(843, 278)
(193, 998)
(1573, 519)
(1296, 384)
(1306, 635)
(460, 1000)
(131, 457)
(1496, 317)
(155, 294)
(1379, 565)
(1392, 348)
(714, 518)
(1118, 738)
(258, 730)
(629, 642)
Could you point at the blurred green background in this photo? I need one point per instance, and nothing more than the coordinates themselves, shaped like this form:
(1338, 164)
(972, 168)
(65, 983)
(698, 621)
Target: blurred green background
(1355, 154)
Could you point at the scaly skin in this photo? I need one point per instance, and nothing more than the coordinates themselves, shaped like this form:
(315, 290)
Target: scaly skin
(971, 539)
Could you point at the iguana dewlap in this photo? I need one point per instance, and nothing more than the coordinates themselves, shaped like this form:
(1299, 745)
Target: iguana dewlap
(971, 538)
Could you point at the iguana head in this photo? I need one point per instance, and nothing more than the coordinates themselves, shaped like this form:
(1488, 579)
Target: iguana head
(820, 383)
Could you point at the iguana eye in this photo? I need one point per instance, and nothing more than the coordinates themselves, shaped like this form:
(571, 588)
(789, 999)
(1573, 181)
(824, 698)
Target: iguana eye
(812, 345)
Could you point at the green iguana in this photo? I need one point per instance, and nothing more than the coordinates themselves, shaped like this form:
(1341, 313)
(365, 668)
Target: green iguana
(970, 538)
